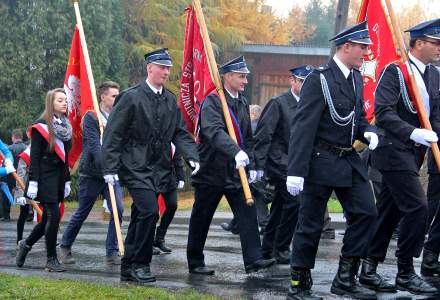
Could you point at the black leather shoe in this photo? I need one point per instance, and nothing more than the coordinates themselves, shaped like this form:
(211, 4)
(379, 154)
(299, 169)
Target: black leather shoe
(231, 227)
(430, 265)
(203, 270)
(345, 283)
(160, 244)
(282, 257)
(125, 272)
(156, 251)
(300, 286)
(141, 274)
(328, 234)
(408, 280)
(370, 279)
(54, 265)
(259, 265)
(23, 250)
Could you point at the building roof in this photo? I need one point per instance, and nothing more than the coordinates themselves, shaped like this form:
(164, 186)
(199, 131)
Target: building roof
(285, 49)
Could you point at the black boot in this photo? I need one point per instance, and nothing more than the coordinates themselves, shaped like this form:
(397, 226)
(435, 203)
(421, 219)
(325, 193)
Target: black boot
(345, 283)
(408, 280)
(301, 285)
(371, 279)
(54, 265)
(430, 265)
(23, 250)
(160, 244)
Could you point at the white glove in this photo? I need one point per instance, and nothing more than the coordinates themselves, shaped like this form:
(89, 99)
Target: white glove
(195, 166)
(252, 176)
(111, 178)
(67, 189)
(8, 163)
(372, 138)
(241, 159)
(21, 201)
(260, 175)
(32, 189)
(424, 136)
(294, 185)
(181, 184)
(9, 169)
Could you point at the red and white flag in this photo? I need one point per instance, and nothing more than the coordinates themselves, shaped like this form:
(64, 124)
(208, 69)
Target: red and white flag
(79, 95)
(196, 82)
(381, 53)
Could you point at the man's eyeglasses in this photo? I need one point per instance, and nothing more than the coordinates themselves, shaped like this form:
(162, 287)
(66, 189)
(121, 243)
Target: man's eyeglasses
(434, 42)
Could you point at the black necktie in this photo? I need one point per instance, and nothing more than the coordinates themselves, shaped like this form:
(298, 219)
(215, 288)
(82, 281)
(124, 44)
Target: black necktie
(426, 77)
(350, 81)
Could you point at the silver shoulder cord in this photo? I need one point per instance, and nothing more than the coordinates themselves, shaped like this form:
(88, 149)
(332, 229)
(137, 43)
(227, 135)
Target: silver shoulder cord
(341, 121)
(403, 91)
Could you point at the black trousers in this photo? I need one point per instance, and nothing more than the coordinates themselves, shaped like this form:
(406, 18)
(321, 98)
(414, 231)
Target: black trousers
(359, 210)
(48, 227)
(24, 213)
(402, 199)
(282, 221)
(433, 241)
(140, 234)
(165, 221)
(207, 199)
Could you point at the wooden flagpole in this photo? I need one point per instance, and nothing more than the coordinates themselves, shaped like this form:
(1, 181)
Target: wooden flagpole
(219, 87)
(98, 114)
(21, 185)
(403, 52)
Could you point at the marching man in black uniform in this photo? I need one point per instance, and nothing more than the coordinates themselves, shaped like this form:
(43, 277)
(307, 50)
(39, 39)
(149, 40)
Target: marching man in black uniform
(271, 149)
(399, 158)
(220, 157)
(329, 118)
(137, 146)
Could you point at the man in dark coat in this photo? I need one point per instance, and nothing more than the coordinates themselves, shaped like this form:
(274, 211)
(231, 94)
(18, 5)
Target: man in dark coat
(329, 118)
(137, 146)
(220, 156)
(271, 149)
(399, 158)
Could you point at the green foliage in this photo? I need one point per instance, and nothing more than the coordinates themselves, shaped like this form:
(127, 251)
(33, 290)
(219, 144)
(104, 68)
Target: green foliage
(36, 37)
(316, 12)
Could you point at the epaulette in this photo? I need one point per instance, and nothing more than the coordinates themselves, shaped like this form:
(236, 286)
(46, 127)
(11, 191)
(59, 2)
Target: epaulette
(322, 68)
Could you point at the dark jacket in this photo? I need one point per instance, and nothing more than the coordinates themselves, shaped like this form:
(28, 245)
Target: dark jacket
(91, 158)
(216, 148)
(15, 149)
(47, 168)
(137, 139)
(396, 151)
(178, 172)
(313, 126)
(272, 136)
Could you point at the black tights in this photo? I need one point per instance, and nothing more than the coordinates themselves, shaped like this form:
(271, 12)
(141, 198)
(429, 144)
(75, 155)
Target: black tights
(48, 227)
(24, 212)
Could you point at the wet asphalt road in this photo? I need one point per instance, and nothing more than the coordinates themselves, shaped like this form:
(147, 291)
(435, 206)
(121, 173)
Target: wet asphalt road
(222, 253)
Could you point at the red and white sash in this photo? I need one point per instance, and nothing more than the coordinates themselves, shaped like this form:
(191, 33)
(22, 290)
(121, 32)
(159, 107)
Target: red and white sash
(59, 145)
(26, 155)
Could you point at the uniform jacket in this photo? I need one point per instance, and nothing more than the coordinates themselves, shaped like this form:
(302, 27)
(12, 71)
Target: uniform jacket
(47, 168)
(216, 148)
(137, 139)
(272, 136)
(91, 158)
(313, 124)
(396, 151)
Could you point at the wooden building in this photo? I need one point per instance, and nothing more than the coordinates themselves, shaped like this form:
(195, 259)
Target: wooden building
(270, 64)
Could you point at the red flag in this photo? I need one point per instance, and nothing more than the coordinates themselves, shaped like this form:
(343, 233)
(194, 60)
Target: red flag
(79, 95)
(380, 54)
(196, 82)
